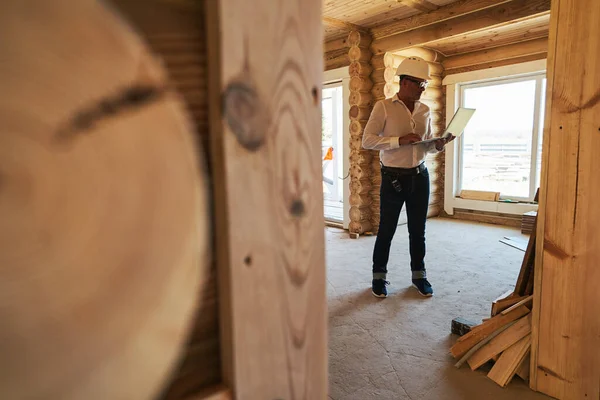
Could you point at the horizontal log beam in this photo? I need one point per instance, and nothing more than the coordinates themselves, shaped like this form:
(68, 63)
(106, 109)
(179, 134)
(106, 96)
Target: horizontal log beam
(491, 17)
(521, 49)
(494, 64)
(336, 23)
(456, 9)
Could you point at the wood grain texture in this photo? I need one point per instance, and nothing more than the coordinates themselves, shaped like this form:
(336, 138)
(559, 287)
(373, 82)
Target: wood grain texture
(501, 342)
(516, 50)
(265, 108)
(174, 30)
(480, 332)
(505, 368)
(530, 28)
(566, 361)
(494, 64)
(485, 19)
(104, 203)
(367, 14)
(453, 10)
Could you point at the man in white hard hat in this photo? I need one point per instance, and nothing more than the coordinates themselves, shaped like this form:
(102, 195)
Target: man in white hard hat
(394, 125)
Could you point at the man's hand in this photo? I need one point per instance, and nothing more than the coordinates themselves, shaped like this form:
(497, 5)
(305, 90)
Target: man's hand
(408, 139)
(441, 142)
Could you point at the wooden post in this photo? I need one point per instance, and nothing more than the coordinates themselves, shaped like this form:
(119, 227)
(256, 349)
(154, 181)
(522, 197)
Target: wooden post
(566, 328)
(266, 73)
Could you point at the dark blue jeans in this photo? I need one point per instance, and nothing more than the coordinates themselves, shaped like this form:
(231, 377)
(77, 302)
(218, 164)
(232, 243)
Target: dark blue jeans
(415, 194)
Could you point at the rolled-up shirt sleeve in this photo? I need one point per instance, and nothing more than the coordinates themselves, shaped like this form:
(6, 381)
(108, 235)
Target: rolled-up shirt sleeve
(372, 135)
(430, 147)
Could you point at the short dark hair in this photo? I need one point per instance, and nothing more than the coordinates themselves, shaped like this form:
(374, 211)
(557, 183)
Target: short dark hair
(402, 77)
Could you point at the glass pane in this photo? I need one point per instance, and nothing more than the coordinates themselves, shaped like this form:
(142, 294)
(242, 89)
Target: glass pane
(538, 167)
(497, 141)
(327, 140)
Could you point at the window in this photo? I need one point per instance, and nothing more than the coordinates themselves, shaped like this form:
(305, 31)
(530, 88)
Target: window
(501, 148)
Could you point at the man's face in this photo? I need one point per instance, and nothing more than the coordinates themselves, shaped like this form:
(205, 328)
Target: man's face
(414, 87)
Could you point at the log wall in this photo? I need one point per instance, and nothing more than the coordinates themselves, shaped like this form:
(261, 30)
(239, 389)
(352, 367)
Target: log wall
(385, 86)
(361, 104)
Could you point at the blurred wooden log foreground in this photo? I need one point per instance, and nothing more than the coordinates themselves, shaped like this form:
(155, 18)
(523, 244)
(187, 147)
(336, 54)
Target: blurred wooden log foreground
(147, 148)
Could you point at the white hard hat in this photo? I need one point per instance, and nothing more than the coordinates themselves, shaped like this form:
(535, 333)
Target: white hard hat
(415, 67)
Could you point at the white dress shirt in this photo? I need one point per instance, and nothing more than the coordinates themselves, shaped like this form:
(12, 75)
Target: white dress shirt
(391, 119)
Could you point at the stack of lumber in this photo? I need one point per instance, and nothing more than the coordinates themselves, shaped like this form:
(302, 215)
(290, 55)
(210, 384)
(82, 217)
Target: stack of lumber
(528, 221)
(505, 337)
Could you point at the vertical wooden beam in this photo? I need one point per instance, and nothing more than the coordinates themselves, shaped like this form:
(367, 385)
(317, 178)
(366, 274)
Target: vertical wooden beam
(266, 67)
(565, 357)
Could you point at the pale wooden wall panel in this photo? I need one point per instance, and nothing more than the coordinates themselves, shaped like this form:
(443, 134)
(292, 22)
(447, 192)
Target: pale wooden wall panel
(266, 68)
(565, 356)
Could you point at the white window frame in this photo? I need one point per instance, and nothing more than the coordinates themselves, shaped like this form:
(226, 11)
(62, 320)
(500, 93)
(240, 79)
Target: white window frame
(335, 109)
(454, 84)
(343, 75)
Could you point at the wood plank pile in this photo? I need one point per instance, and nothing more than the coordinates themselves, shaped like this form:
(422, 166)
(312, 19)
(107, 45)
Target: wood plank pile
(528, 221)
(505, 337)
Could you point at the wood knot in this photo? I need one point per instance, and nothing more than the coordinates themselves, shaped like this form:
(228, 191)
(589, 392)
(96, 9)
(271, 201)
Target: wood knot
(245, 114)
(297, 208)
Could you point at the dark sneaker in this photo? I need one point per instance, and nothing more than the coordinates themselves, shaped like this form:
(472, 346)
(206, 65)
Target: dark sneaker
(378, 287)
(423, 286)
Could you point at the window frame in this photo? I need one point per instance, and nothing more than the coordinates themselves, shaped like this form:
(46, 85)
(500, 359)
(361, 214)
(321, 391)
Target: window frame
(452, 85)
(535, 129)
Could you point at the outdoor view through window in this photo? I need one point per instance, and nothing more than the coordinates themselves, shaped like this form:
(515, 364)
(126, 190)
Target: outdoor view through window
(501, 146)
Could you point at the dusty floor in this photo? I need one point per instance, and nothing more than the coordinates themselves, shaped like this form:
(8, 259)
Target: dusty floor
(397, 348)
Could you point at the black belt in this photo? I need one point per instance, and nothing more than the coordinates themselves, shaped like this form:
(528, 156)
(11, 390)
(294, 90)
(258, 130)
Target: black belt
(404, 171)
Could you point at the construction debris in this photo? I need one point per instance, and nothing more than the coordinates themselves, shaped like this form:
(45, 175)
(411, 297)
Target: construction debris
(505, 337)
(461, 326)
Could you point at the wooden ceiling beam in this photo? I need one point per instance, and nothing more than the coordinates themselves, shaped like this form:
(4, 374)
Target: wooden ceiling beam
(490, 17)
(337, 23)
(421, 5)
(515, 50)
(453, 10)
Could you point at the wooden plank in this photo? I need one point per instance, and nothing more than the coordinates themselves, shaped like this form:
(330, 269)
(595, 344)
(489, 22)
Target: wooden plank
(479, 195)
(523, 370)
(516, 242)
(453, 10)
(480, 332)
(515, 50)
(505, 368)
(523, 302)
(267, 69)
(527, 264)
(503, 304)
(501, 342)
(567, 363)
(485, 19)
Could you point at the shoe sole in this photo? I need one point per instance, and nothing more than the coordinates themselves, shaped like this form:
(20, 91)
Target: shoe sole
(379, 296)
(421, 293)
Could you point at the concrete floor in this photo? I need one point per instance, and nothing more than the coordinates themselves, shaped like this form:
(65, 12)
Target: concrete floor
(398, 347)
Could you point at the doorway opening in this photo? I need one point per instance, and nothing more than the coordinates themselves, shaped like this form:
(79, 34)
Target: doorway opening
(332, 152)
